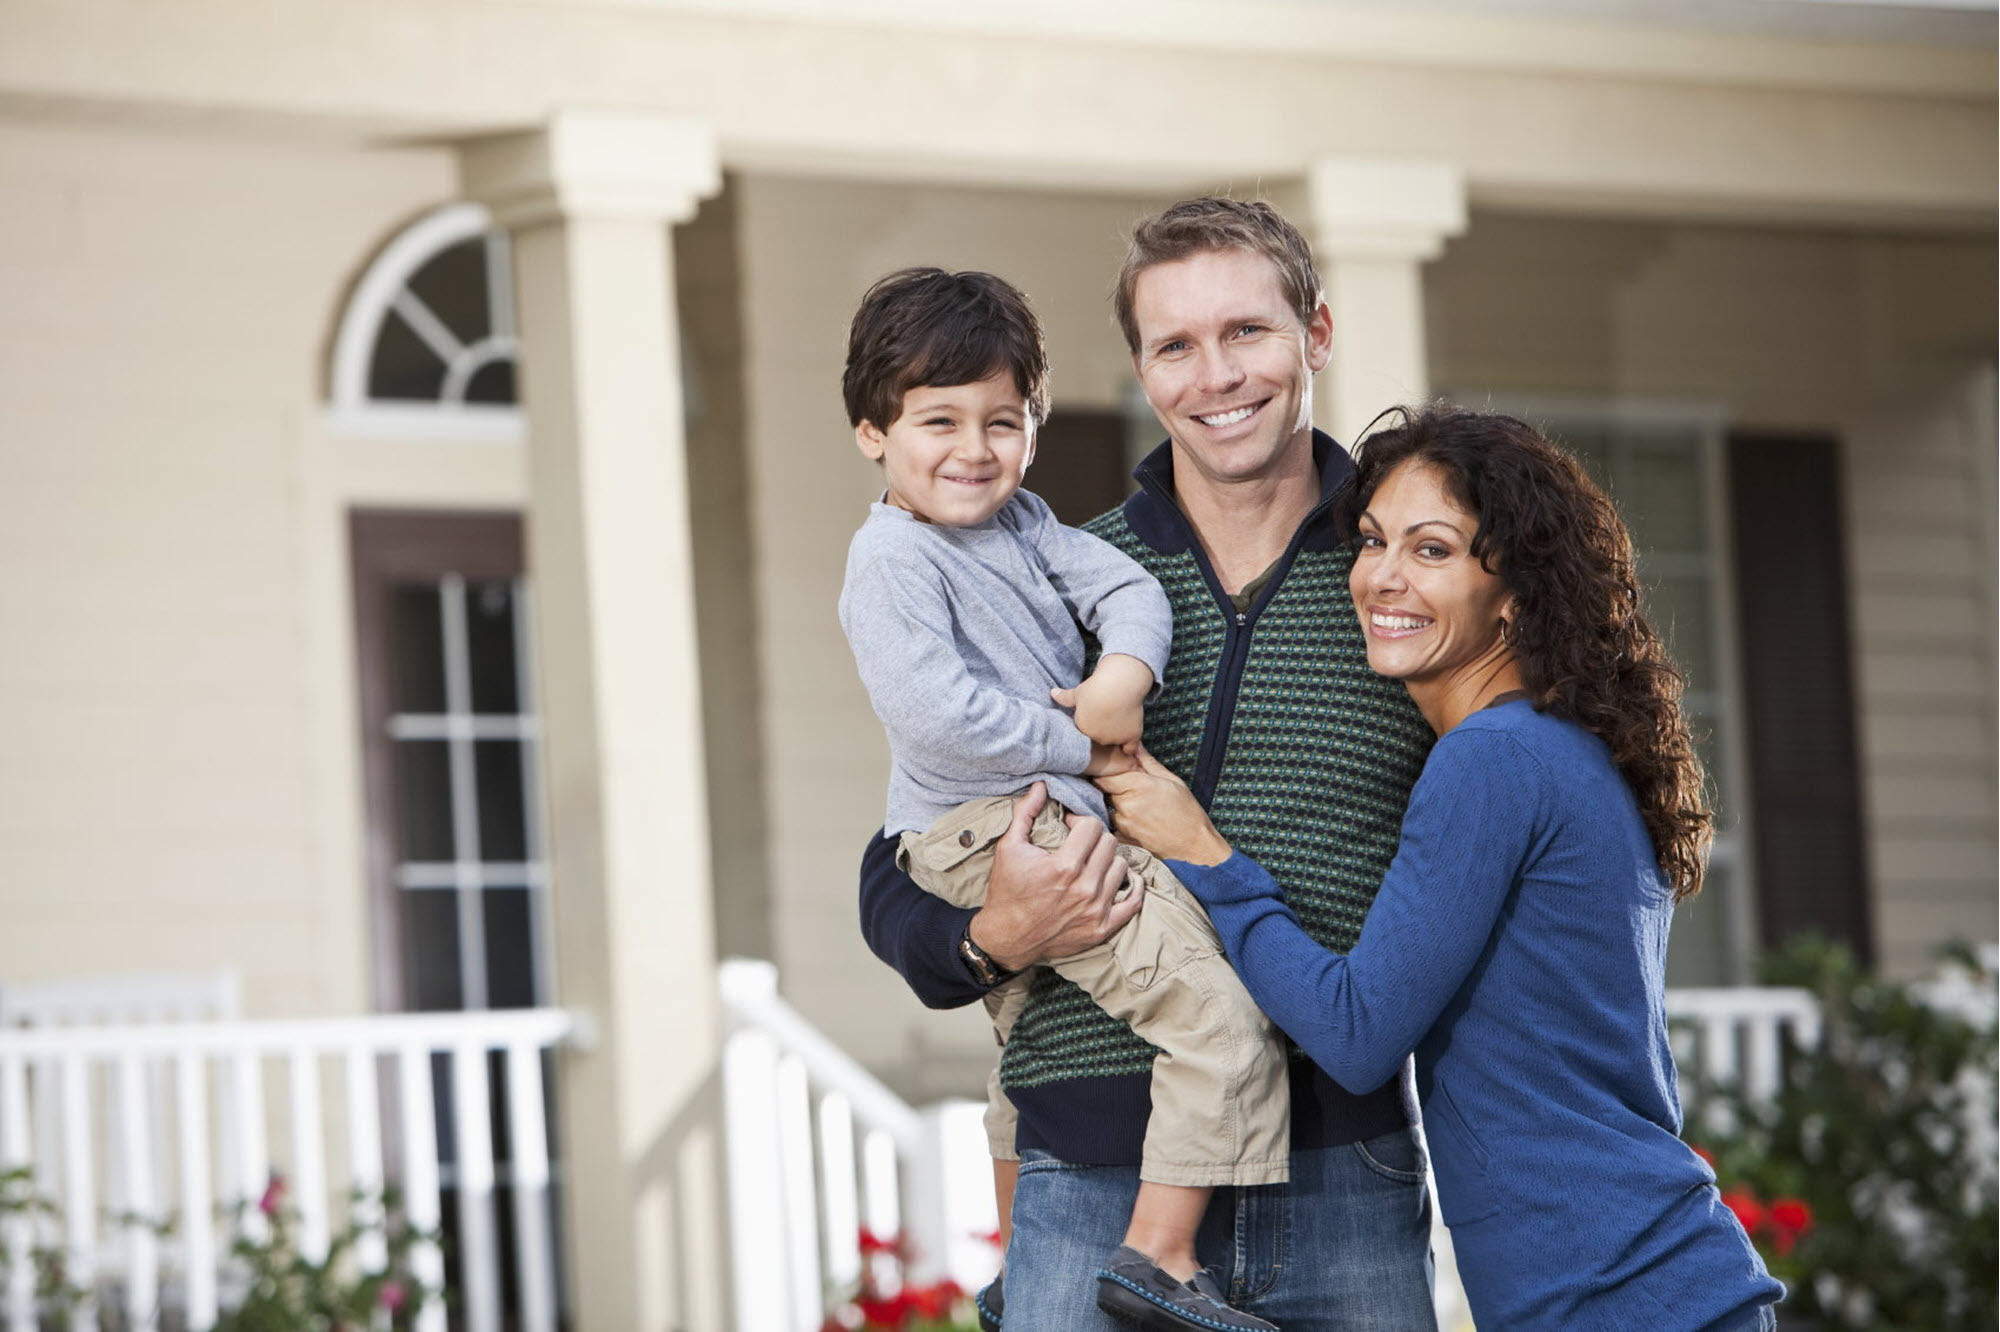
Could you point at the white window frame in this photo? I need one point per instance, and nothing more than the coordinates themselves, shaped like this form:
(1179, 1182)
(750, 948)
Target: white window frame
(383, 293)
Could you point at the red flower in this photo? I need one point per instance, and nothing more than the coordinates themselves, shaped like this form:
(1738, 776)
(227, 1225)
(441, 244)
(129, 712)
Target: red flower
(935, 1300)
(873, 1243)
(893, 1312)
(1748, 1210)
(1792, 1214)
(1704, 1154)
(274, 1195)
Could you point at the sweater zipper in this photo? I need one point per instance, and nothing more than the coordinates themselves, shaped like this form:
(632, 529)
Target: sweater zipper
(1236, 651)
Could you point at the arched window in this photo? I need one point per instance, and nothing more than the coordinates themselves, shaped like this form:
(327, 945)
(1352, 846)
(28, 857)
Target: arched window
(427, 343)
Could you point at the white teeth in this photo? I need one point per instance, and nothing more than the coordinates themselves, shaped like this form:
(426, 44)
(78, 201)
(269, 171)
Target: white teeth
(1399, 622)
(1227, 418)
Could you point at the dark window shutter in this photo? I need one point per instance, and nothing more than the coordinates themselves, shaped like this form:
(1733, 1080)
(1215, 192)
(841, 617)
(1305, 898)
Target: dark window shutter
(1798, 684)
(1080, 466)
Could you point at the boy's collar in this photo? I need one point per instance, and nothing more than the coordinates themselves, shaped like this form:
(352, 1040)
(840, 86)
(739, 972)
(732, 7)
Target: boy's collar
(1157, 520)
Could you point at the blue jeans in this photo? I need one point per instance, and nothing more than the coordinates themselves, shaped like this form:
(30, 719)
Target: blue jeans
(1345, 1245)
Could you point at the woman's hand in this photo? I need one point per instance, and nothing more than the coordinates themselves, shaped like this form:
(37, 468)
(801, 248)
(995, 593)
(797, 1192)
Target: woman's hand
(1151, 806)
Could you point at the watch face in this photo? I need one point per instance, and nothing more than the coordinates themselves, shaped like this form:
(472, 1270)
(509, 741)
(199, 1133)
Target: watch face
(982, 966)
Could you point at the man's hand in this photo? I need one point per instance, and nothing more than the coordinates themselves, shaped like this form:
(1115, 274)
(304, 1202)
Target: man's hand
(1049, 904)
(1111, 704)
(1110, 760)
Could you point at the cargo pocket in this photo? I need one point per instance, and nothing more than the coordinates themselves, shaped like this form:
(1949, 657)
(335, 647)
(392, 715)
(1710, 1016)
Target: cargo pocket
(953, 857)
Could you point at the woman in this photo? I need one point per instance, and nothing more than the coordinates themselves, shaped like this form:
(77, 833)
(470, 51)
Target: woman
(1519, 940)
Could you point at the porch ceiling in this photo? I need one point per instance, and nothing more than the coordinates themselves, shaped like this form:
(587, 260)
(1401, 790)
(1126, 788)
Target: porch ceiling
(1167, 95)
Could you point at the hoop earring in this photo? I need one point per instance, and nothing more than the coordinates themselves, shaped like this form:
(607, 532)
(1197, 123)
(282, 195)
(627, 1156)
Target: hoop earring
(1506, 639)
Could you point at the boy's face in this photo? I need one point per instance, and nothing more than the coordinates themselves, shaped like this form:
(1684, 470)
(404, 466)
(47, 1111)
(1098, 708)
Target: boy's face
(957, 453)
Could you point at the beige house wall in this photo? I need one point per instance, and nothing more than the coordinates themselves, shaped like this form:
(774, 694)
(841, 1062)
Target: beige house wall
(1885, 341)
(174, 793)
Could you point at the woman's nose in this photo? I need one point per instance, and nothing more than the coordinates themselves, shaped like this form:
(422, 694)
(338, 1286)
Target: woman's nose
(1385, 573)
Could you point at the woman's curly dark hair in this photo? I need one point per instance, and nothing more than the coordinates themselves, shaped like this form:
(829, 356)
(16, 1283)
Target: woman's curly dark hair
(1586, 649)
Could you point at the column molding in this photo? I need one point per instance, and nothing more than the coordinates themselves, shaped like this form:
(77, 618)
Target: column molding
(591, 164)
(1373, 224)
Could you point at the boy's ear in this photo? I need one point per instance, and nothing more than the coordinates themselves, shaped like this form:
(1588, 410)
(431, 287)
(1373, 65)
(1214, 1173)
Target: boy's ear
(872, 442)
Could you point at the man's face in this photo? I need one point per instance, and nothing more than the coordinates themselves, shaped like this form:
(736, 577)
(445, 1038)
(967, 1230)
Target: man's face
(1226, 364)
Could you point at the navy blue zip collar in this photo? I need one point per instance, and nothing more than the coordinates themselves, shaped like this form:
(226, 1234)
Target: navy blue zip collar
(1157, 520)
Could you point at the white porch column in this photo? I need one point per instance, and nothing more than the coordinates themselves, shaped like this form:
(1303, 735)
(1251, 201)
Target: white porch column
(1373, 224)
(590, 199)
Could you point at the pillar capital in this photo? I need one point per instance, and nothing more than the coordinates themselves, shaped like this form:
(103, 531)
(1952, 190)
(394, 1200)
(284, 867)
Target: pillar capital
(582, 163)
(1383, 208)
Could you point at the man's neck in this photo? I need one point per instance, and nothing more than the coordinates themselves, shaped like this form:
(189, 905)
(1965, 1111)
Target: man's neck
(1244, 526)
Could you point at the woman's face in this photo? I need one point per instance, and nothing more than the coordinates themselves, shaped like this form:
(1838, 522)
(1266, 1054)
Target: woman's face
(1430, 610)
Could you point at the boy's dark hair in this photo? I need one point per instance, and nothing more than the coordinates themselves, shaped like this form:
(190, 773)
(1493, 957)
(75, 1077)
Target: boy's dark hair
(1213, 222)
(926, 328)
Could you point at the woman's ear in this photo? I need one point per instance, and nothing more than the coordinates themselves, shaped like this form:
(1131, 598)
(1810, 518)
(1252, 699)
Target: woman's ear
(872, 442)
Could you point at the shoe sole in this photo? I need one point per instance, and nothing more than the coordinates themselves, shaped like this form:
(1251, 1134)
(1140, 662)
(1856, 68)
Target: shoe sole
(1132, 1307)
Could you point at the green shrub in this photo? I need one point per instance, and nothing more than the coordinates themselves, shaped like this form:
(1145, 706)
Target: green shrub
(1884, 1134)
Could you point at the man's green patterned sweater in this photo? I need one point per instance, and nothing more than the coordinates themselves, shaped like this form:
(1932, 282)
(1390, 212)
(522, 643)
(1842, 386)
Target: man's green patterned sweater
(1305, 759)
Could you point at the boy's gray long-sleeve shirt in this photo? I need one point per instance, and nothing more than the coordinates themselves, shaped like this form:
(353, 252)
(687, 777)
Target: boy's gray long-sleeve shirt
(960, 633)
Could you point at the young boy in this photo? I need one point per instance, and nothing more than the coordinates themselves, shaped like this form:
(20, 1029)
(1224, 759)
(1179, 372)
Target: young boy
(962, 603)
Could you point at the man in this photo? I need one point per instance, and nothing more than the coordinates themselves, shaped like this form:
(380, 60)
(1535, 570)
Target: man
(1304, 758)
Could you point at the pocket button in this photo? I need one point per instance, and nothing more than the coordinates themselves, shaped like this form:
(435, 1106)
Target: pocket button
(965, 838)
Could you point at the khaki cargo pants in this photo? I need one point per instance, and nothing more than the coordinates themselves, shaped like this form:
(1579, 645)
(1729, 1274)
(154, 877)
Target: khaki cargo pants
(1221, 1096)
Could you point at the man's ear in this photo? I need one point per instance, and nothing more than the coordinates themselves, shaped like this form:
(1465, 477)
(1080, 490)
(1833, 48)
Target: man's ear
(1319, 337)
(872, 442)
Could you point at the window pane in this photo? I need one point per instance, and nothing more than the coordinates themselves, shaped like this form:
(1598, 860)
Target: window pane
(510, 957)
(489, 630)
(453, 285)
(1680, 610)
(403, 369)
(416, 649)
(423, 797)
(493, 383)
(430, 949)
(1699, 951)
(502, 810)
(1662, 488)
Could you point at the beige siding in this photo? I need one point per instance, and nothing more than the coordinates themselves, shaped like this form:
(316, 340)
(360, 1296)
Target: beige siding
(165, 802)
(1885, 342)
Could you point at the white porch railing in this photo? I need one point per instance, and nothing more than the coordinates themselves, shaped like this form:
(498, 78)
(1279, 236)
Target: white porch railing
(1736, 1036)
(796, 1106)
(819, 1148)
(104, 1092)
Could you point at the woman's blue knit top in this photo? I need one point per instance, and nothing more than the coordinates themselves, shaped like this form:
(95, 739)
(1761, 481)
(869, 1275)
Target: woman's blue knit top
(1519, 946)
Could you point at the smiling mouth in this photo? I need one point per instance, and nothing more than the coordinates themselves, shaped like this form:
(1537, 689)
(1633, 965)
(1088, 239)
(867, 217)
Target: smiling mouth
(1229, 418)
(968, 480)
(1384, 622)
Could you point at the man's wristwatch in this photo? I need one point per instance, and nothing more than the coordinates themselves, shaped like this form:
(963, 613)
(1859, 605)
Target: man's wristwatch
(979, 964)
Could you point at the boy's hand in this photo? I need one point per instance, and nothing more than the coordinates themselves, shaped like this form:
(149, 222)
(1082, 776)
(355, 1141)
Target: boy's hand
(1110, 760)
(1110, 705)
